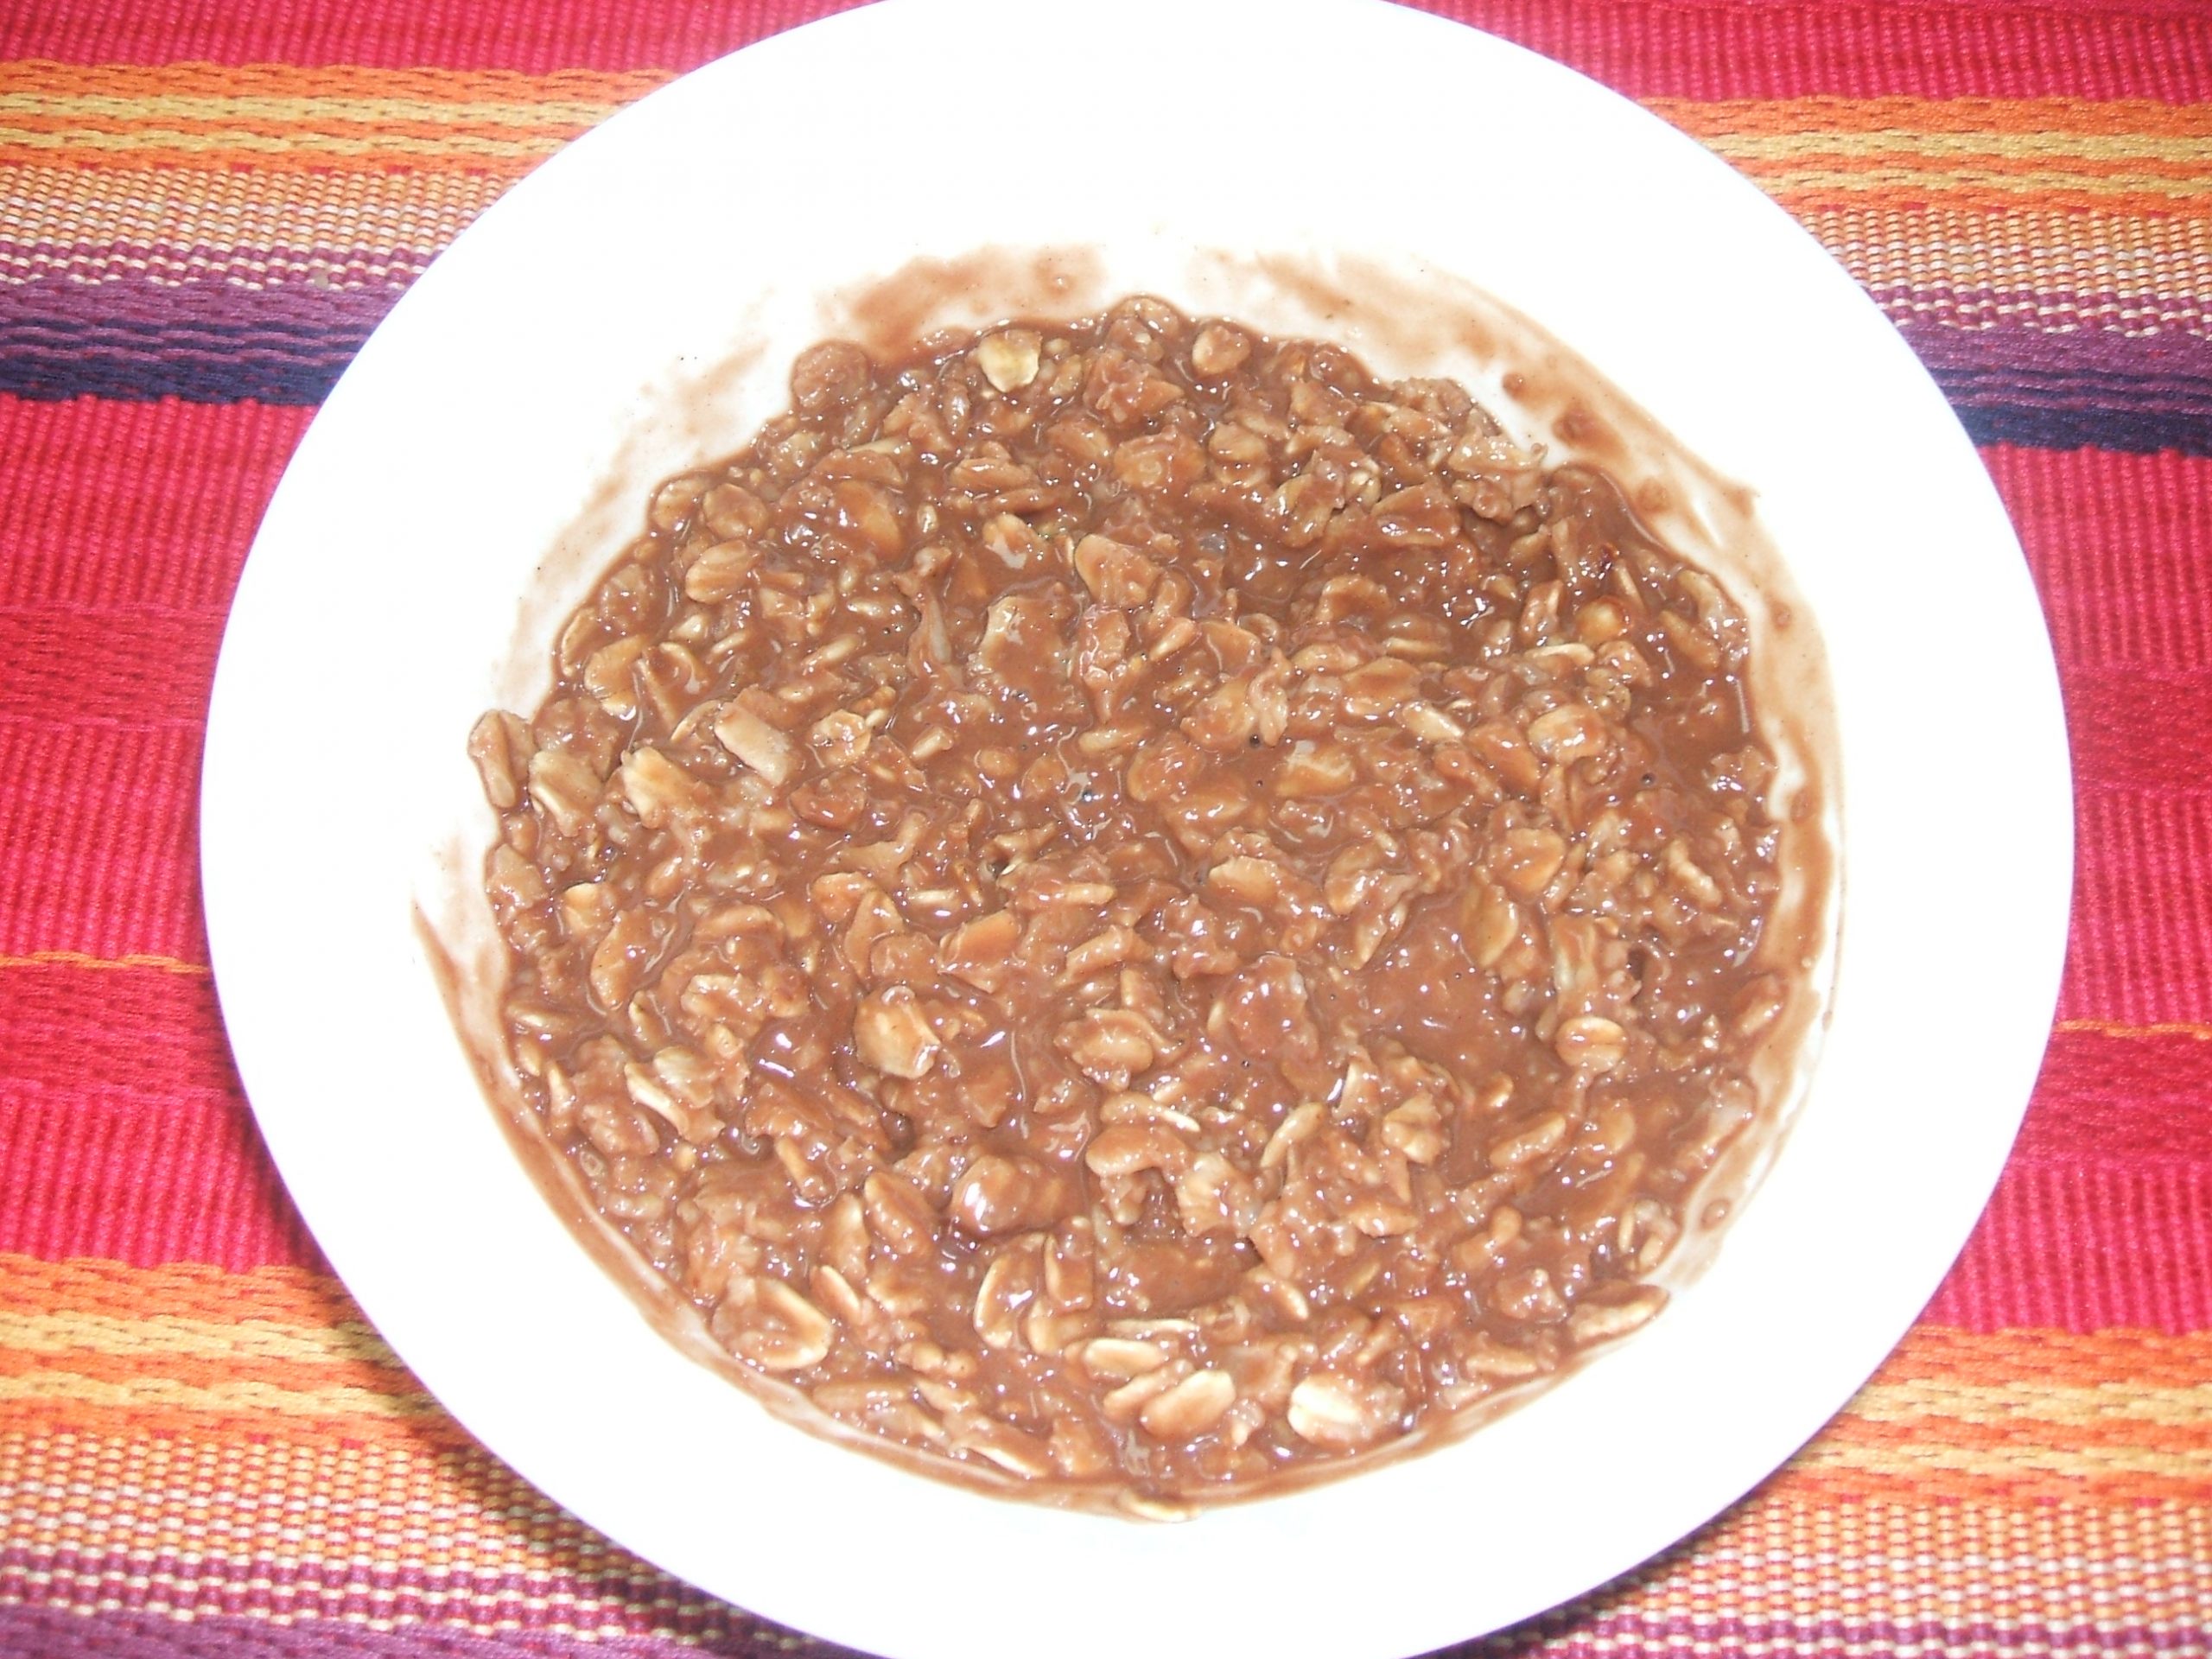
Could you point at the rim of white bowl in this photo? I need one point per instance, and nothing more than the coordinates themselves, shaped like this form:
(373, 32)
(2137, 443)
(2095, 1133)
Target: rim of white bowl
(307, 847)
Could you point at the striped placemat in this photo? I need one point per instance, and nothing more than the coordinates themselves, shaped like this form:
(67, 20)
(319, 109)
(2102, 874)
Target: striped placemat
(204, 211)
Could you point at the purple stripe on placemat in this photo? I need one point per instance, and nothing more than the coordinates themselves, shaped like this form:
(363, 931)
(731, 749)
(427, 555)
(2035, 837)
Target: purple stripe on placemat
(618, 1594)
(1572, 1633)
(214, 341)
(205, 342)
(1575, 1631)
(339, 1589)
(52, 1633)
(2084, 388)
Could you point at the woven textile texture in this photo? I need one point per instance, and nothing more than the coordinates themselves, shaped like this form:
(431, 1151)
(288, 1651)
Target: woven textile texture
(204, 209)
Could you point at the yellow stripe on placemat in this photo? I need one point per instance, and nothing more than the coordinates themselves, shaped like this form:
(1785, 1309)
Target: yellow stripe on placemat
(161, 107)
(234, 144)
(2072, 150)
(2194, 1030)
(1932, 1461)
(2117, 1402)
(2134, 158)
(158, 965)
(2143, 153)
(107, 1348)
(1994, 151)
(167, 1401)
(2113, 1416)
(154, 1334)
(278, 117)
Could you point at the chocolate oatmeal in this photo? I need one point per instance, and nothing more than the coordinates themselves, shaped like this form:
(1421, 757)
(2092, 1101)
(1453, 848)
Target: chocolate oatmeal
(1126, 904)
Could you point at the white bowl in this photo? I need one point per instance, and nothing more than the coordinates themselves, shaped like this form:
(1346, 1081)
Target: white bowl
(632, 307)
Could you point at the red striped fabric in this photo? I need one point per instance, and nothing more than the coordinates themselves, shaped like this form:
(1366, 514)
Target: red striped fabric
(2117, 545)
(104, 1173)
(1976, 1500)
(2120, 1102)
(2068, 1248)
(139, 668)
(116, 505)
(102, 852)
(1688, 48)
(2143, 913)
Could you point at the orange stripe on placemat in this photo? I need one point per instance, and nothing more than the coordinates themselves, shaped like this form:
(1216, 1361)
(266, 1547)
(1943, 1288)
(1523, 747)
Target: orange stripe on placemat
(1807, 192)
(203, 1365)
(2120, 1416)
(35, 84)
(2025, 120)
(52, 1403)
(1995, 185)
(1915, 1462)
(281, 119)
(2136, 156)
(2061, 1358)
(49, 82)
(1990, 184)
(2147, 155)
(156, 119)
(282, 1296)
(293, 152)
(2075, 263)
(162, 109)
(185, 1349)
